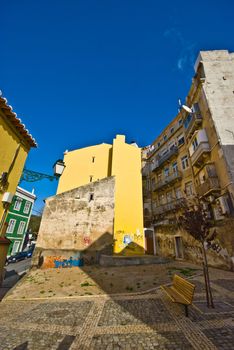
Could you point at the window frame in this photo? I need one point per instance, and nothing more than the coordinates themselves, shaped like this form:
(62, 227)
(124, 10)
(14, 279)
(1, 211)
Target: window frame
(18, 200)
(20, 232)
(12, 230)
(27, 206)
(184, 160)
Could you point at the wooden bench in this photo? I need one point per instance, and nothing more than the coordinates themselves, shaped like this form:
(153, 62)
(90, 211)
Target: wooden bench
(180, 292)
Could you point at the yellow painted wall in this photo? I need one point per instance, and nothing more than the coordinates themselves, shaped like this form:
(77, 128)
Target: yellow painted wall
(80, 166)
(124, 162)
(128, 221)
(9, 142)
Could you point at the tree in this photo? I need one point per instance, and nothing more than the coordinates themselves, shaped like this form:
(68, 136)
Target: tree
(194, 218)
(34, 224)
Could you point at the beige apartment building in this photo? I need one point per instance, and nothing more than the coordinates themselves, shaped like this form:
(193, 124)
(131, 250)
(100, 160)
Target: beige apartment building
(194, 155)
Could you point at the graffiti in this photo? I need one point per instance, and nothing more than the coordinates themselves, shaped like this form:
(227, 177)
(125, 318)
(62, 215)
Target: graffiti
(61, 262)
(87, 240)
(127, 239)
(68, 263)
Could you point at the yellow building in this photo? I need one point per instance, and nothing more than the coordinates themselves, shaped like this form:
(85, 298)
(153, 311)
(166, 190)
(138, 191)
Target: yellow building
(123, 161)
(15, 143)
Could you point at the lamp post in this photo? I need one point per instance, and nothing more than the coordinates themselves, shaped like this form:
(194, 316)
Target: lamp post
(32, 176)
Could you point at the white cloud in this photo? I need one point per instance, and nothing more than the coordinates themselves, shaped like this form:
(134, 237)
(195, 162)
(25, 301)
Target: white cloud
(186, 48)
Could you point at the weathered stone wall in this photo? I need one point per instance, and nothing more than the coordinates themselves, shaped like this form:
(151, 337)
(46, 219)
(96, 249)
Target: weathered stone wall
(220, 252)
(218, 88)
(77, 223)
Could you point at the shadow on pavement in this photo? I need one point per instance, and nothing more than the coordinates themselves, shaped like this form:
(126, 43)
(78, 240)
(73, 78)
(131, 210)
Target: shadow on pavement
(10, 280)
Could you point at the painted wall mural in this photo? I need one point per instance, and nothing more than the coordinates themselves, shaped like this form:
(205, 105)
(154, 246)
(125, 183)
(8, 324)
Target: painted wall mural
(129, 243)
(61, 262)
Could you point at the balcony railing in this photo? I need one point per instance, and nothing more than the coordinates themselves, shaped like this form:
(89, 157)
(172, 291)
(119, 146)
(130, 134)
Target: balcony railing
(164, 208)
(172, 152)
(175, 128)
(210, 185)
(169, 180)
(201, 151)
(194, 124)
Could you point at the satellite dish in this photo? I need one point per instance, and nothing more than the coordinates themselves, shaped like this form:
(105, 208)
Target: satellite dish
(187, 109)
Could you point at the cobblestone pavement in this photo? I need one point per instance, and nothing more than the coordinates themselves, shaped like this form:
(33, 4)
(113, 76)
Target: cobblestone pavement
(127, 322)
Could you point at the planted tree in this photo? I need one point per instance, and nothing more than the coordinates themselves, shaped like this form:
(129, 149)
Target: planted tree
(195, 220)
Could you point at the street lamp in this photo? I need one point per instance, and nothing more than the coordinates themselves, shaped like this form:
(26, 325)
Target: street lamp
(59, 167)
(32, 176)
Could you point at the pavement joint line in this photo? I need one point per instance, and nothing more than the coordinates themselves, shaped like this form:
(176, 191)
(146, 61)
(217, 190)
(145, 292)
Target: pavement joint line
(142, 328)
(88, 329)
(207, 324)
(191, 330)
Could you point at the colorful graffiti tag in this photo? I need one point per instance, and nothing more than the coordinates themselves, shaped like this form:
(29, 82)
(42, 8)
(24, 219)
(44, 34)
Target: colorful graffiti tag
(62, 262)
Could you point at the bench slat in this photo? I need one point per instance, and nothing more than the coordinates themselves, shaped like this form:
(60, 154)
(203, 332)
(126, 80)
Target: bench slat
(175, 297)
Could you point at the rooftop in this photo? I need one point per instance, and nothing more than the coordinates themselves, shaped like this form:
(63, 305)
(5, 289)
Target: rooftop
(16, 122)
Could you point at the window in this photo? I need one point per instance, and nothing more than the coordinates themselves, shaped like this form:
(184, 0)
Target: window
(180, 139)
(148, 185)
(159, 144)
(196, 108)
(91, 197)
(180, 121)
(187, 121)
(195, 144)
(175, 167)
(164, 151)
(178, 193)
(166, 172)
(21, 227)
(169, 197)
(27, 207)
(189, 188)
(15, 248)
(18, 203)
(184, 162)
(165, 137)
(159, 177)
(161, 199)
(93, 159)
(11, 226)
(172, 130)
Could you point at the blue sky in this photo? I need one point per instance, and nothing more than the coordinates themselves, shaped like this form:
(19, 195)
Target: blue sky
(79, 72)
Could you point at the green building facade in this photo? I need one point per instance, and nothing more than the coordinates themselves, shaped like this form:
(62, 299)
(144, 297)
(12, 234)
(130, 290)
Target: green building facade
(18, 219)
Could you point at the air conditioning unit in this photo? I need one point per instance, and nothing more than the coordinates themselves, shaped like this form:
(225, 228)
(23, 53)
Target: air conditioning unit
(7, 197)
(223, 204)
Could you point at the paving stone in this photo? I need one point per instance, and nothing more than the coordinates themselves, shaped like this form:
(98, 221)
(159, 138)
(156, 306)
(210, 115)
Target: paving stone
(16, 339)
(222, 338)
(124, 312)
(225, 283)
(58, 313)
(146, 341)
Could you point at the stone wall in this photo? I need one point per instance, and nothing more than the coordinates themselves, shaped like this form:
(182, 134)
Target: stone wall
(77, 223)
(220, 252)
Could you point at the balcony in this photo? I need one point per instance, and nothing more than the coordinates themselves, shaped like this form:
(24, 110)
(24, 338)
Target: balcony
(194, 124)
(169, 180)
(172, 152)
(200, 153)
(176, 126)
(210, 185)
(165, 208)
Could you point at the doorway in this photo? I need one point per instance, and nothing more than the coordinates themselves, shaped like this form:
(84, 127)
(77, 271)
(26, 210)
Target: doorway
(179, 247)
(150, 242)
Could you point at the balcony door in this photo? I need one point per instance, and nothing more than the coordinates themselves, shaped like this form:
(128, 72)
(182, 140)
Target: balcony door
(150, 242)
